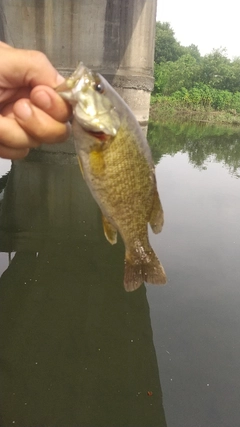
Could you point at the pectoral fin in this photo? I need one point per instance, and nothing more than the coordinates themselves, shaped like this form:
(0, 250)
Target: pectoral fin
(109, 231)
(157, 217)
(80, 165)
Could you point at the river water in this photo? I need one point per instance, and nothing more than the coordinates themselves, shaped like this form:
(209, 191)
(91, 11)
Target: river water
(76, 349)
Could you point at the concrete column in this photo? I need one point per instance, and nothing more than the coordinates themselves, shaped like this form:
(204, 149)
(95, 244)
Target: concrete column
(114, 37)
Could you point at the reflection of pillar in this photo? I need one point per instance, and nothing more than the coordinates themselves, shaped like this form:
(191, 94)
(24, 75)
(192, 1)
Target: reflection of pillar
(114, 37)
(76, 349)
(45, 200)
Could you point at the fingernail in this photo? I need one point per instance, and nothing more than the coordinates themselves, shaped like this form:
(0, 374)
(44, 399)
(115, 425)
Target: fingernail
(59, 79)
(42, 100)
(23, 110)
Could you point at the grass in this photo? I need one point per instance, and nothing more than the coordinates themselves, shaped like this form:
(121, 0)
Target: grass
(165, 110)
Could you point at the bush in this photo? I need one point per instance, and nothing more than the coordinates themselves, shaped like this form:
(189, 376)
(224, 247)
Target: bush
(236, 102)
(205, 96)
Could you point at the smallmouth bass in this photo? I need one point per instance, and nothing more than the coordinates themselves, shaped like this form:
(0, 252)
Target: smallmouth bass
(117, 165)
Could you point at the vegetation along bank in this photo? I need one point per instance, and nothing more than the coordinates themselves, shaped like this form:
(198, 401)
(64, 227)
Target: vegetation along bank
(189, 86)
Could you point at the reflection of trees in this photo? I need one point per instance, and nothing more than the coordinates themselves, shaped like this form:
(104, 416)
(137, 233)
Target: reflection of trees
(200, 142)
(76, 349)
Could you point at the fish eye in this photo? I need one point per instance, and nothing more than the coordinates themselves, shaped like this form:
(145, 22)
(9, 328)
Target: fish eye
(98, 87)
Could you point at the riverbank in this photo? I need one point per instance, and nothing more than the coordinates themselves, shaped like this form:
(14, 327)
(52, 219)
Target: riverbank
(166, 110)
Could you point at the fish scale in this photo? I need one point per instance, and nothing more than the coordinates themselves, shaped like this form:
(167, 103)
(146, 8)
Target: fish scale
(123, 185)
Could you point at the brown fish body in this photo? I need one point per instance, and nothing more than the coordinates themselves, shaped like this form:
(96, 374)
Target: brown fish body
(120, 174)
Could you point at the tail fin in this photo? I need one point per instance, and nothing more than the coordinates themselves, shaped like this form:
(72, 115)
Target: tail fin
(148, 270)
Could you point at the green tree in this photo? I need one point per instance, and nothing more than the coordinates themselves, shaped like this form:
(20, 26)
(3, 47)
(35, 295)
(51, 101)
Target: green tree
(172, 76)
(184, 73)
(193, 51)
(234, 81)
(180, 70)
(216, 69)
(161, 77)
(167, 48)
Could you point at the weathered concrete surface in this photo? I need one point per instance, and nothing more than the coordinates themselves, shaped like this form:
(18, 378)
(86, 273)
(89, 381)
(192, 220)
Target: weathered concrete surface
(114, 37)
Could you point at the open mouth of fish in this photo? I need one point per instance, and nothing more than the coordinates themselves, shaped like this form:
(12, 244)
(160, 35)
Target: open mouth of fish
(98, 134)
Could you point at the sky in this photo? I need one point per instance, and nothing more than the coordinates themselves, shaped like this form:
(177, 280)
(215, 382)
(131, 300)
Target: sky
(209, 24)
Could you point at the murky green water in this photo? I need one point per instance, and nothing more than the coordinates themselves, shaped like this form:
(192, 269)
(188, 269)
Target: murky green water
(76, 349)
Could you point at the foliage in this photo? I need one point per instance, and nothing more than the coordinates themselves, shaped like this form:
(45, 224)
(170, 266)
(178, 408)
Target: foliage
(167, 48)
(193, 51)
(167, 110)
(206, 96)
(172, 76)
(183, 73)
(234, 81)
(216, 70)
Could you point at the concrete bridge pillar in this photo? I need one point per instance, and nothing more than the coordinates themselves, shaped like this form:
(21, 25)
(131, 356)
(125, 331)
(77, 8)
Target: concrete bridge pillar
(114, 37)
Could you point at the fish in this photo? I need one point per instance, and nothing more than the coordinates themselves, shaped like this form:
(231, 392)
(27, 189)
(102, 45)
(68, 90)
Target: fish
(116, 163)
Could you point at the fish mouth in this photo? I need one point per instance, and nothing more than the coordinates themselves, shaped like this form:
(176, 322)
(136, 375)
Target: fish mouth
(98, 134)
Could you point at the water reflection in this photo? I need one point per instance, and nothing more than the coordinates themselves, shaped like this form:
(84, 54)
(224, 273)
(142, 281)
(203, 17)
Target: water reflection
(76, 349)
(198, 344)
(222, 144)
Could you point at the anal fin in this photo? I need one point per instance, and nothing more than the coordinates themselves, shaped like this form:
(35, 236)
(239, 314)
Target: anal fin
(109, 231)
(157, 217)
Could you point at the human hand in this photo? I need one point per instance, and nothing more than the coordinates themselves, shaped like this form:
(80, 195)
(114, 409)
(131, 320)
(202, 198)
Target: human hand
(31, 112)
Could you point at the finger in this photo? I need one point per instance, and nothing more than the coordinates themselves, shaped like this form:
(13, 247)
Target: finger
(13, 136)
(48, 76)
(5, 45)
(29, 67)
(11, 95)
(38, 124)
(13, 153)
(49, 101)
(7, 111)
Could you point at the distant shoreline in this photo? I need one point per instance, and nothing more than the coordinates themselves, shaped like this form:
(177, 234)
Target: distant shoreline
(166, 110)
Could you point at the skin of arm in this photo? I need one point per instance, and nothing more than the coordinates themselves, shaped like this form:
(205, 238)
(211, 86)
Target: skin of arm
(31, 112)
